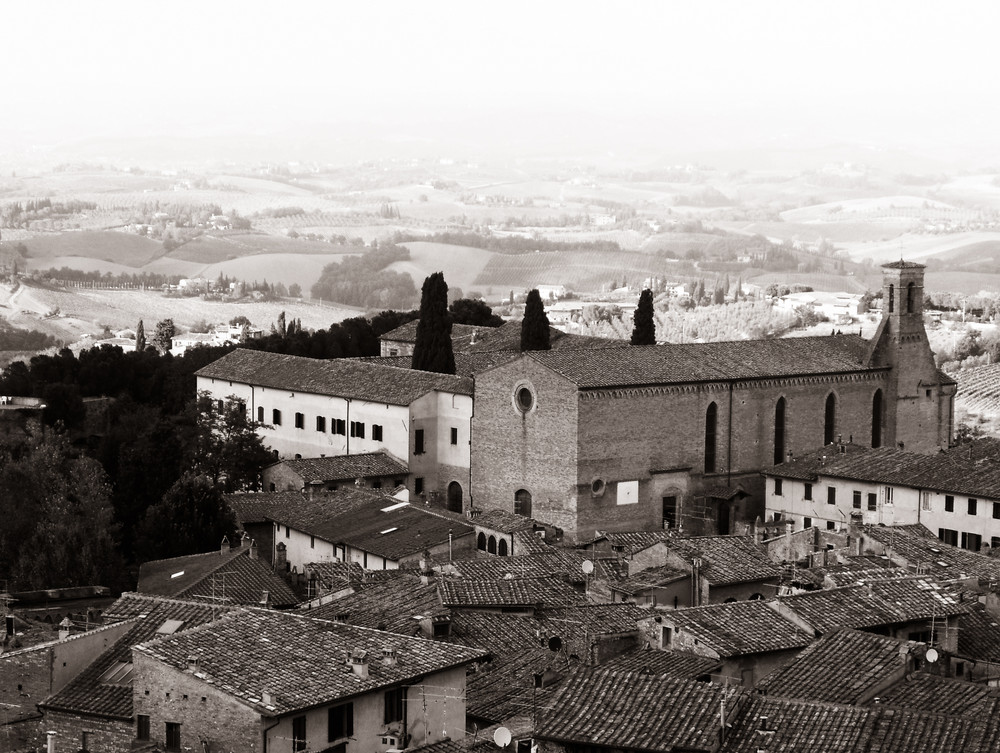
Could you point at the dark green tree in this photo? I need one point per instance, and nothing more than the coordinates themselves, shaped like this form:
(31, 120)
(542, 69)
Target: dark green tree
(225, 446)
(163, 337)
(191, 518)
(282, 328)
(535, 325)
(432, 350)
(644, 329)
(140, 337)
(473, 311)
(63, 404)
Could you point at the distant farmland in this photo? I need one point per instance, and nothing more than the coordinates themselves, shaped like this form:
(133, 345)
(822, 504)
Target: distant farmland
(579, 270)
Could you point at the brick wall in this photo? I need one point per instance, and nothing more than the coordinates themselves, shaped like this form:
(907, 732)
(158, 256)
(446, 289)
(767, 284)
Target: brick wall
(165, 694)
(534, 450)
(104, 735)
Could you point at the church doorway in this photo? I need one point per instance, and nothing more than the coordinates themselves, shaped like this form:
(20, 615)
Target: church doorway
(455, 496)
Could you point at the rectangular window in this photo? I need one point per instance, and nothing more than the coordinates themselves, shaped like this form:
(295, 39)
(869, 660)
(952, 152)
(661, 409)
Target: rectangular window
(670, 512)
(418, 485)
(872, 501)
(949, 503)
(341, 720)
(377, 432)
(454, 435)
(777, 487)
(357, 429)
(856, 503)
(807, 522)
(300, 421)
(288, 532)
(973, 503)
(338, 426)
(948, 536)
(807, 491)
(996, 509)
(831, 526)
(321, 423)
(298, 733)
(142, 727)
(276, 417)
(831, 495)
(393, 705)
(971, 541)
(994, 542)
(173, 736)
(260, 414)
(925, 500)
(85, 742)
(312, 542)
(887, 495)
(418, 442)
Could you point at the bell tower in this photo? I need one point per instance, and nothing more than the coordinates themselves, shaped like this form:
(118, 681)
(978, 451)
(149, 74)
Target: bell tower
(919, 400)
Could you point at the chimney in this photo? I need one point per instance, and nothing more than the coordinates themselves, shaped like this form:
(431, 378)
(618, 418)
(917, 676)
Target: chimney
(65, 628)
(281, 557)
(192, 664)
(389, 656)
(359, 663)
(224, 546)
(266, 698)
(253, 549)
(265, 598)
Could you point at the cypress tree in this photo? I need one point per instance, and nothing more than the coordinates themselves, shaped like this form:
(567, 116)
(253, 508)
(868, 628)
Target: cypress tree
(140, 338)
(432, 350)
(644, 331)
(535, 325)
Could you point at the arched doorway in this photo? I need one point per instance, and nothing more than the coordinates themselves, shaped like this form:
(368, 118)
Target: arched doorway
(522, 503)
(455, 496)
(481, 541)
(502, 547)
(491, 545)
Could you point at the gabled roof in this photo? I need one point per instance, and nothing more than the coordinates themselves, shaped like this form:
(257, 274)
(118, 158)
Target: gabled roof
(345, 467)
(252, 651)
(727, 559)
(396, 604)
(644, 580)
(979, 634)
(633, 711)
(921, 692)
(739, 628)
(341, 377)
(916, 546)
(877, 603)
(466, 364)
(649, 661)
(844, 666)
(259, 507)
(650, 365)
(503, 521)
(520, 592)
(87, 693)
(231, 577)
(407, 333)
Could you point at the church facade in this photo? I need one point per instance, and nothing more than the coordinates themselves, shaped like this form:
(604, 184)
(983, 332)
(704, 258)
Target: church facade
(642, 437)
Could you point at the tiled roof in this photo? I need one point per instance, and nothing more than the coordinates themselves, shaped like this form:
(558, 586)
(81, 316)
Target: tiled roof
(633, 366)
(469, 592)
(922, 692)
(917, 546)
(644, 580)
(903, 265)
(507, 337)
(979, 635)
(503, 521)
(631, 541)
(346, 467)
(968, 469)
(333, 576)
(259, 507)
(877, 603)
(844, 666)
(230, 578)
(575, 622)
(670, 663)
(633, 711)
(286, 650)
(466, 364)
(394, 605)
(337, 376)
(86, 694)
(728, 559)
(407, 333)
(739, 628)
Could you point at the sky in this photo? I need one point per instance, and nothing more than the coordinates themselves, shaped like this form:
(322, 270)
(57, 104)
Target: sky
(700, 73)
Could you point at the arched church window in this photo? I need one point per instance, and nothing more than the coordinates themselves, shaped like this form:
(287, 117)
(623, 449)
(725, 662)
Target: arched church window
(502, 547)
(877, 419)
(491, 545)
(522, 502)
(892, 297)
(830, 419)
(481, 541)
(779, 431)
(711, 426)
(911, 291)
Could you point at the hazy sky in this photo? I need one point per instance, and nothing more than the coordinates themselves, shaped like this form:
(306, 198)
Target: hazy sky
(702, 72)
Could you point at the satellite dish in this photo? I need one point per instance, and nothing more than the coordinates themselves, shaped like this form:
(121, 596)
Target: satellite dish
(931, 655)
(502, 737)
(555, 643)
(588, 567)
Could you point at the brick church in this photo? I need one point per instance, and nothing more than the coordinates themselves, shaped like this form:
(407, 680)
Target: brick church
(631, 438)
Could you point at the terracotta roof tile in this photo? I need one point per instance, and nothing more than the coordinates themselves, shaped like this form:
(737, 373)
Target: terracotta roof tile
(287, 648)
(394, 604)
(979, 635)
(346, 467)
(338, 376)
(918, 547)
(669, 663)
(728, 559)
(922, 692)
(739, 628)
(472, 592)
